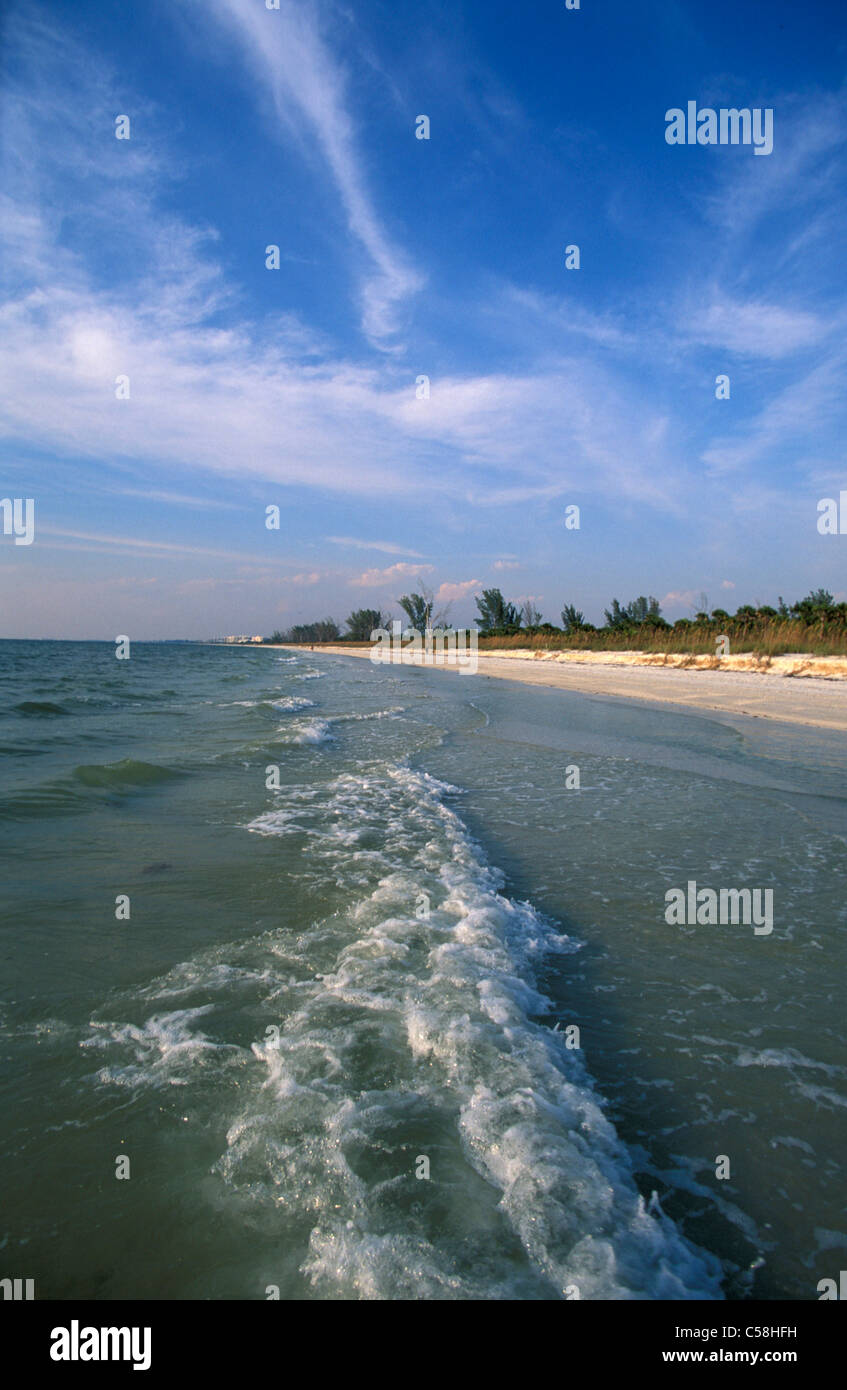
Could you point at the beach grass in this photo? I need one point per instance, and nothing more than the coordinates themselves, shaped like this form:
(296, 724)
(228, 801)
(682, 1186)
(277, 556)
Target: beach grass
(770, 639)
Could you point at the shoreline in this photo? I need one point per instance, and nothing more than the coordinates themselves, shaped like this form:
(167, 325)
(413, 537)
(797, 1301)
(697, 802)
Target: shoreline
(792, 690)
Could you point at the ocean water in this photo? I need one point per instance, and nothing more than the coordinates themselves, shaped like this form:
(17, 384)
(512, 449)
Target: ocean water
(331, 1040)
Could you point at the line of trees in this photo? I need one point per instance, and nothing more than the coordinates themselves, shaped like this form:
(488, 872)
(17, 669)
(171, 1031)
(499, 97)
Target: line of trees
(419, 610)
(325, 630)
(498, 617)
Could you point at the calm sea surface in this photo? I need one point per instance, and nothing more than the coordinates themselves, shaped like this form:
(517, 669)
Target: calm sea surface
(329, 1041)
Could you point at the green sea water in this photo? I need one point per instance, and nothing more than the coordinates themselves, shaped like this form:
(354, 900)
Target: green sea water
(366, 910)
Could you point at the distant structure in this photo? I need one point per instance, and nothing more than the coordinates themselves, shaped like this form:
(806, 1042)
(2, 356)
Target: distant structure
(242, 639)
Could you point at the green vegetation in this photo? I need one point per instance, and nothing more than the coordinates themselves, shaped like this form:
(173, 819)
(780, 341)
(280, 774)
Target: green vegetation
(419, 610)
(574, 621)
(641, 612)
(496, 616)
(815, 625)
(363, 622)
(326, 630)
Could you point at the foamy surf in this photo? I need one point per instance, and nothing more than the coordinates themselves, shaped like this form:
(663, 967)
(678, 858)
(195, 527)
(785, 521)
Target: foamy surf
(531, 1192)
(315, 731)
(306, 731)
(167, 1049)
(404, 1026)
(390, 713)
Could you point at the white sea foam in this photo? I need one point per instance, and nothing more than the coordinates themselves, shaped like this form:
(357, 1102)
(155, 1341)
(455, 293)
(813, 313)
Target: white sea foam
(306, 731)
(289, 703)
(403, 1033)
(167, 1049)
(419, 1039)
(321, 730)
(374, 714)
(787, 1057)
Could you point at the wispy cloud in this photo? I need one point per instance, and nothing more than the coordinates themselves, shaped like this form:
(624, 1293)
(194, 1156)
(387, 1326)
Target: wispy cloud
(809, 407)
(138, 544)
(294, 60)
(752, 328)
(248, 401)
(386, 547)
(811, 132)
(175, 499)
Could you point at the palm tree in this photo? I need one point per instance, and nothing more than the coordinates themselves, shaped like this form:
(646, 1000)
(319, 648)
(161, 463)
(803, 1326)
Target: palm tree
(572, 619)
(495, 612)
(418, 609)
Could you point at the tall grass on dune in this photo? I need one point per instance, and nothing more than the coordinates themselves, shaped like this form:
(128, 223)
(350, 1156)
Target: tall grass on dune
(766, 639)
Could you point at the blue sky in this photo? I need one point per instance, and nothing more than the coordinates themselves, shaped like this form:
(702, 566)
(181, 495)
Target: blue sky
(402, 257)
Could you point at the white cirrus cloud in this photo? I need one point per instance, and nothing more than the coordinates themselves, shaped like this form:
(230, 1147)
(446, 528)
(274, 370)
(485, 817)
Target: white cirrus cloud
(291, 57)
(754, 328)
(386, 547)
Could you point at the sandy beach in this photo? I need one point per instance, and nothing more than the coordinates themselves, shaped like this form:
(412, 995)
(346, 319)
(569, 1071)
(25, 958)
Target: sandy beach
(794, 689)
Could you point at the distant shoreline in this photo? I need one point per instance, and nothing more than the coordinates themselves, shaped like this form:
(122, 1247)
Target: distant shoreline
(799, 689)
